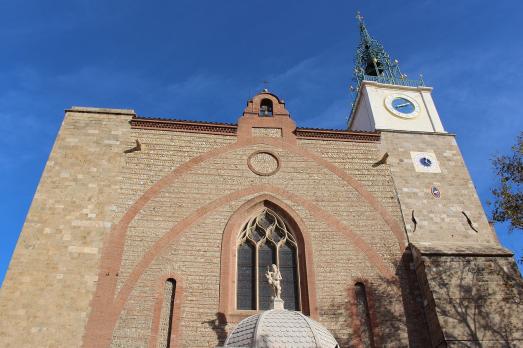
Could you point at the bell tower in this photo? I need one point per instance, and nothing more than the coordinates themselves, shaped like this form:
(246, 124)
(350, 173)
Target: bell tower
(452, 247)
(430, 176)
(385, 98)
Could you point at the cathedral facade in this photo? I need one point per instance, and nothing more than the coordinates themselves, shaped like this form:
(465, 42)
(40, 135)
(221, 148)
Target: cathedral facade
(151, 232)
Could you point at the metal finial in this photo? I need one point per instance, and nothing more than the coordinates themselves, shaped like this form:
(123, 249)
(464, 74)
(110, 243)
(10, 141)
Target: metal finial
(422, 82)
(266, 86)
(359, 17)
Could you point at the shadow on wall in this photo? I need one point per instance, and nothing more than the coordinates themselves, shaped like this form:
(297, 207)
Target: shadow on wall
(478, 300)
(463, 302)
(218, 326)
(396, 317)
(462, 298)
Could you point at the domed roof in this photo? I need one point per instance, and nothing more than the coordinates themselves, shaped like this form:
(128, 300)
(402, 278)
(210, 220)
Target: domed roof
(280, 328)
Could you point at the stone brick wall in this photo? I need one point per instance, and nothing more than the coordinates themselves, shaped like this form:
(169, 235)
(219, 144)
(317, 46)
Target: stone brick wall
(472, 296)
(194, 255)
(468, 284)
(105, 215)
(45, 299)
(109, 225)
(438, 219)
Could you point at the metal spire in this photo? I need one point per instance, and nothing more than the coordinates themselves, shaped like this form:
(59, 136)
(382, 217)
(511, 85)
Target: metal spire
(365, 36)
(373, 63)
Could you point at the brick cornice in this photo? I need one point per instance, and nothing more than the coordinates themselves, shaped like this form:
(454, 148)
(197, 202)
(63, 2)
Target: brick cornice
(232, 129)
(183, 126)
(334, 134)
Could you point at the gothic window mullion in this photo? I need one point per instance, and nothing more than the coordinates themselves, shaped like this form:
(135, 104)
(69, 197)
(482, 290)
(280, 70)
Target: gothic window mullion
(256, 281)
(278, 255)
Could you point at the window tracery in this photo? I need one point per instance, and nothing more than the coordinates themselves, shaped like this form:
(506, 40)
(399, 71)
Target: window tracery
(264, 240)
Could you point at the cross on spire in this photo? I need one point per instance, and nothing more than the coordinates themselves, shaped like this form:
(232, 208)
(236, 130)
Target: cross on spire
(265, 85)
(359, 17)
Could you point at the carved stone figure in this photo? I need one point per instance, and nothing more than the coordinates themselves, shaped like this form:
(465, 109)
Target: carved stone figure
(274, 278)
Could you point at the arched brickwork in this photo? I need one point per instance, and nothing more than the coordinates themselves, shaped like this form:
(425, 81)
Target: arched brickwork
(107, 304)
(107, 317)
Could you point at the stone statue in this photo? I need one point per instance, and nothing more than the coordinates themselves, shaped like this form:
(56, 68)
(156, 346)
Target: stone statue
(274, 279)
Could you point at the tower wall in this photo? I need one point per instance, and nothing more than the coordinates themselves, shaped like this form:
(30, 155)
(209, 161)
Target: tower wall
(468, 284)
(371, 110)
(470, 287)
(471, 295)
(439, 220)
(46, 295)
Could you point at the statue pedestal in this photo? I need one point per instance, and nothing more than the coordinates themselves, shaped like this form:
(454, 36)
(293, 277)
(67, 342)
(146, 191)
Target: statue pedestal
(276, 303)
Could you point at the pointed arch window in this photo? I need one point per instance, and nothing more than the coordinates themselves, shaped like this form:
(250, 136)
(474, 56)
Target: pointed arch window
(265, 240)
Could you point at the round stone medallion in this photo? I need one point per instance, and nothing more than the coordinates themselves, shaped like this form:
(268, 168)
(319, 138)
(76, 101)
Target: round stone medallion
(263, 163)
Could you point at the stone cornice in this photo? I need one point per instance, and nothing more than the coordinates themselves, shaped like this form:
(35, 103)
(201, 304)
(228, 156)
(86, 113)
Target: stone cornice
(417, 132)
(111, 111)
(405, 88)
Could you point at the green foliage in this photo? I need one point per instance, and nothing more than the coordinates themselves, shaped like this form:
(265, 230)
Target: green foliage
(508, 194)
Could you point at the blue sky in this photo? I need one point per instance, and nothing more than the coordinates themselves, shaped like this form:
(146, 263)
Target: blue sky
(202, 60)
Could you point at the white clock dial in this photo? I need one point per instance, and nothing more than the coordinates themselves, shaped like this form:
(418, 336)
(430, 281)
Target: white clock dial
(425, 162)
(401, 105)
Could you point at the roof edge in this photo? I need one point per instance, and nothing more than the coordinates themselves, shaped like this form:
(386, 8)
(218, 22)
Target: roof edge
(92, 110)
(170, 124)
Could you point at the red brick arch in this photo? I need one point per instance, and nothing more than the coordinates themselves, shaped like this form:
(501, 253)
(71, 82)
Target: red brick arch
(110, 315)
(106, 304)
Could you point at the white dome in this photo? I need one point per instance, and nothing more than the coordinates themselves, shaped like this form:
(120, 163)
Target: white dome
(280, 328)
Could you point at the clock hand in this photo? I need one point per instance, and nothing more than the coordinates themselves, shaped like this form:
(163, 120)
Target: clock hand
(402, 105)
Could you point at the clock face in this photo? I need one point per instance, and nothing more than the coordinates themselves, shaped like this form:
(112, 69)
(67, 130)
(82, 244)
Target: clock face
(402, 106)
(426, 162)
